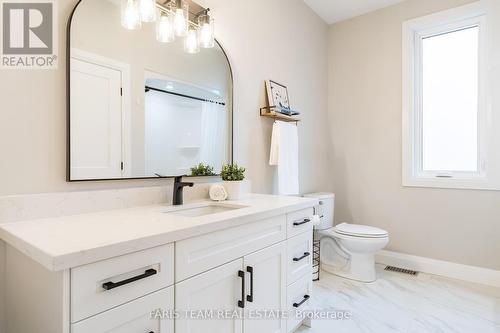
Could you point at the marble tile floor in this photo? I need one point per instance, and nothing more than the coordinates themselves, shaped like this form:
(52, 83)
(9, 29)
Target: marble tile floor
(402, 303)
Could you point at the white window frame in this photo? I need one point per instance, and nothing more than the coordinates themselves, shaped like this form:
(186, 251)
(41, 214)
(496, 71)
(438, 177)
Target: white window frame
(414, 32)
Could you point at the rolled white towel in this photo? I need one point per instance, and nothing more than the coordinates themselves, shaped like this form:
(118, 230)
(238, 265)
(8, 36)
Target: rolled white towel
(217, 192)
(316, 220)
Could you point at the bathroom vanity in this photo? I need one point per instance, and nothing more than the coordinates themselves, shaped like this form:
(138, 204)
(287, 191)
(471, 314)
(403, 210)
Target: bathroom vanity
(162, 269)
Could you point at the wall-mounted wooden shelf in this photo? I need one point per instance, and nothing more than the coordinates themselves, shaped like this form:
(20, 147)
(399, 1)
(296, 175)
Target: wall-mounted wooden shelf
(269, 113)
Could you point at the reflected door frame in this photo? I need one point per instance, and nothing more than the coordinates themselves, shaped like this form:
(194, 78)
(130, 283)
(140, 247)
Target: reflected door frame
(124, 68)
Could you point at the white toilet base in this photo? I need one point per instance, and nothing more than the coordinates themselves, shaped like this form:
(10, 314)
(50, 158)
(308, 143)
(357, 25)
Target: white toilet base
(361, 267)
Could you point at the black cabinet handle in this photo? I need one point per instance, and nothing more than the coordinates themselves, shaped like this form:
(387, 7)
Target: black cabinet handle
(112, 285)
(306, 297)
(250, 297)
(301, 222)
(306, 254)
(241, 303)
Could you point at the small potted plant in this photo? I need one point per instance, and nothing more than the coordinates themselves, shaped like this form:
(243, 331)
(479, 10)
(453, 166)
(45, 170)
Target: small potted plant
(233, 177)
(202, 170)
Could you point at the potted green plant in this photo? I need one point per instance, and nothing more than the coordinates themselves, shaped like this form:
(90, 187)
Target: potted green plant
(202, 170)
(233, 177)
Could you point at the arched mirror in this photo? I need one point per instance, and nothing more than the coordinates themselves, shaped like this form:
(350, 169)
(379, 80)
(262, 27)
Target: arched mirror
(139, 107)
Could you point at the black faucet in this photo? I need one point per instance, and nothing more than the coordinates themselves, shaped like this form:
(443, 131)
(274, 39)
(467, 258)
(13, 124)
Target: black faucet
(177, 198)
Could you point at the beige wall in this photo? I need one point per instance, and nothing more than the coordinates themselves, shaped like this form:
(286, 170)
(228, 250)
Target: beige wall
(260, 45)
(365, 112)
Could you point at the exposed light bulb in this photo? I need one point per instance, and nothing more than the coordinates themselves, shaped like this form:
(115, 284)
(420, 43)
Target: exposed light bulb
(180, 23)
(165, 29)
(131, 17)
(206, 33)
(191, 42)
(147, 8)
(181, 18)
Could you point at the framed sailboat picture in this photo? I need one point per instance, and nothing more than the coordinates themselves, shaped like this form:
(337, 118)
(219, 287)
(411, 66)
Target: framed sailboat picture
(277, 95)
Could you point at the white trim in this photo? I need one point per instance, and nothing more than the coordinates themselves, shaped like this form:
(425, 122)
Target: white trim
(447, 269)
(124, 68)
(413, 32)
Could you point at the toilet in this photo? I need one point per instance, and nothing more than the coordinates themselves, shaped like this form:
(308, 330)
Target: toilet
(347, 250)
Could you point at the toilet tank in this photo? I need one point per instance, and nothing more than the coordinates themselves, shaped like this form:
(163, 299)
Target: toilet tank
(325, 209)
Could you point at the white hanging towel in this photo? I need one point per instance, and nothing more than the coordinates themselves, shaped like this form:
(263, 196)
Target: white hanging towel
(285, 154)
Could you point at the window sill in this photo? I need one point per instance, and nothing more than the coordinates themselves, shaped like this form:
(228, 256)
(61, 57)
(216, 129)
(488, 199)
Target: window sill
(452, 183)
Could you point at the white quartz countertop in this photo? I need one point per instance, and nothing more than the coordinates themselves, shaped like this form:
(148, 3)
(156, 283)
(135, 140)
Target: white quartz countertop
(65, 242)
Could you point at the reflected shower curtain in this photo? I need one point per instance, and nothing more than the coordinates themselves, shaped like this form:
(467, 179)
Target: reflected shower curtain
(214, 135)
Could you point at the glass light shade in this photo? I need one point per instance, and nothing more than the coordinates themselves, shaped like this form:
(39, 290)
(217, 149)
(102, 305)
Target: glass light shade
(147, 8)
(181, 18)
(130, 14)
(206, 31)
(191, 42)
(165, 28)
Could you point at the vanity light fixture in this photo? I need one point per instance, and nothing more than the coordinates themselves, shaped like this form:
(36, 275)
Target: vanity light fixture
(147, 9)
(130, 14)
(206, 31)
(172, 20)
(165, 28)
(191, 44)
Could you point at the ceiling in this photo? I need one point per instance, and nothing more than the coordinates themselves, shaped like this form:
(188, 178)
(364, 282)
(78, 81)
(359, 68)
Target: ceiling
(333, 11)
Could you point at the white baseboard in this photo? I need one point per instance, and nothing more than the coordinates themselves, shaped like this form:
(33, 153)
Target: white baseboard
(448, 269)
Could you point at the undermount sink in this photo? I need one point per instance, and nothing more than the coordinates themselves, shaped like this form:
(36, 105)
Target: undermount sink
(207, 209)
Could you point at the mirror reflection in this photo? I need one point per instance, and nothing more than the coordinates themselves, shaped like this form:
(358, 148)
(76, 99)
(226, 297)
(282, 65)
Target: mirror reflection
(140, 108)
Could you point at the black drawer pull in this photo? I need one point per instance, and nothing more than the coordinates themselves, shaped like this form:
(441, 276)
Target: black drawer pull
(250, 297)
(241, 303)
(306, 297)
(306, 254)
(112, 285)
(302, 222)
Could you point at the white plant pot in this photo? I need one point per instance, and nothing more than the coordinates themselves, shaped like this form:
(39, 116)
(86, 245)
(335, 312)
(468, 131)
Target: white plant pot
(235, 189)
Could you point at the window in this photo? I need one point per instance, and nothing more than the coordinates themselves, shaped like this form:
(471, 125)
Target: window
(450, 71)
(444, 115)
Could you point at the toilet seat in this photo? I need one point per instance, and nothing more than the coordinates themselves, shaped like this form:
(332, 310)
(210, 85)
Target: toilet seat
(357, 230)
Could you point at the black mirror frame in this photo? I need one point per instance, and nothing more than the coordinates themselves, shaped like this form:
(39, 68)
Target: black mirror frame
(68, 111)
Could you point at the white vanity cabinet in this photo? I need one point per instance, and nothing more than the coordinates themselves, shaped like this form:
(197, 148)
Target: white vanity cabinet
(267, 289)
(218, 289)
(254, 281)
(299, 265)
(106, 284)
(247, 285)
(236, 279)
(144, 315)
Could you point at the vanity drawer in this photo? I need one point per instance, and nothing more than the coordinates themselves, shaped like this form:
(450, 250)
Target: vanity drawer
(105, 284)
(298, 299)
(143, 315)
(299, 222)
(299, 254)
(199, 254)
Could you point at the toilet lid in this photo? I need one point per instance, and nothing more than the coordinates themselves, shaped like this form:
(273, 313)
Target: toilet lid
(359, 230)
